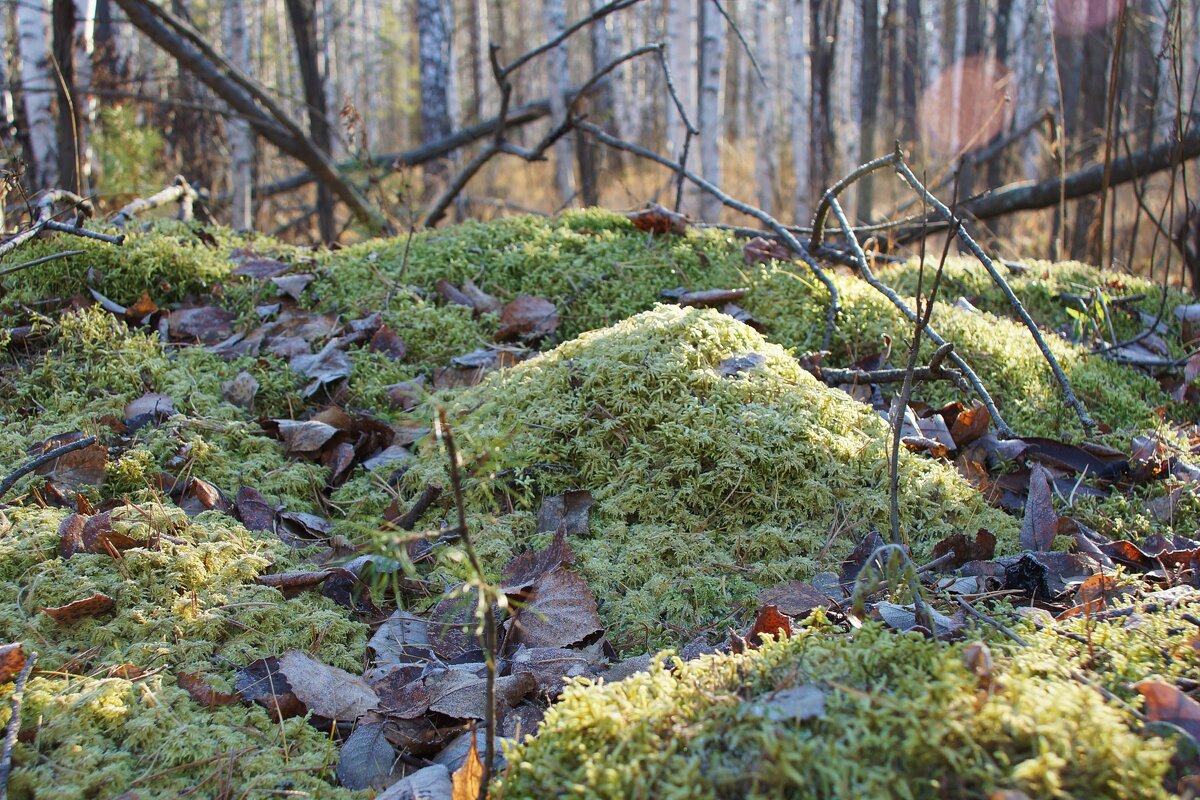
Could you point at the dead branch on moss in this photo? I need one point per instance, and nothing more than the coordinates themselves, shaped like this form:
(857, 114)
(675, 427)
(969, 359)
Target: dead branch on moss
(933, 371)
(180, 191)
(14, 723)
(44, 458)
(45, 221)
(38, 261)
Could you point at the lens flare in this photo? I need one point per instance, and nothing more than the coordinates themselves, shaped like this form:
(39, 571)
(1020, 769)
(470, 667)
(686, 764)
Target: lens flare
(969, 103)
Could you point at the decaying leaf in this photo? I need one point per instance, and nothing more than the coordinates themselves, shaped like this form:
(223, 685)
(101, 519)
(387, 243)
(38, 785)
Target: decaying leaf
(482, 301)
(1165, 703)
(527, 318)
(71, 613)
(796, 703)
(568, 511)
(202, 692)
(558, 611)
(75, 470)
(292, 285)
(388, 342)
(656, 219)
(551, 666)
(735, 365)
(1040, 525)
(429, 783)
(904, 618)
(367, 760)
(207, 324)
(978, 659)
(304, 438)
(403, 638)
(242, 390)
(982, 548)
(711, 297)
(769, 622)
(759, 251)
(12, 661)
(253, 510)
(794, 599)
(328, 366)
(327, 691)
(263, 682)
(260, 267)
(150, 408)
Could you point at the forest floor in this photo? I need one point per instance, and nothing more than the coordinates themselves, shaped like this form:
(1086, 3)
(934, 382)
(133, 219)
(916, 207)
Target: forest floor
(253, 569)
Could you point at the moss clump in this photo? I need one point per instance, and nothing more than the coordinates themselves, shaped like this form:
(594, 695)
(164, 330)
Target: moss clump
(903, 718)
(186, 602)
(708, 486)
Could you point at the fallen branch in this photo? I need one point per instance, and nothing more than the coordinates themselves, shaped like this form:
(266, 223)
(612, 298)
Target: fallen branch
(44, 458)
(14, 723)
(933, 371)
(180, 191)
(43, 260)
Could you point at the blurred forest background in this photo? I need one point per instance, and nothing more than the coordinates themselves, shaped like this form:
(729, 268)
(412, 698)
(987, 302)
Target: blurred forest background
(394, 98)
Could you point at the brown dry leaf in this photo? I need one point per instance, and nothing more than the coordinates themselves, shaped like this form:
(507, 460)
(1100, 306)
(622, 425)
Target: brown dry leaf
(143, 308)
(977, 658)
(769, 622)
(327, 691)
(656, 219)
(207, 324)
(367, 758)
(264, 683)
(77, 469)
(99, 536)
(260, 268)
(568, 511)
(388, 342)
(70, 535)
(793, 599)
(527, 317)
(468, 779)
(202, 693)
(1165, 703)
(461, 695)
(855, 562)
(1040, 525)
(550, 666)
(328, 366)
(12, 661)
(452, 294)
(71, 613)
(481, 300)
(406, 395)
(711, 297)
(969, 424)
(241, 391)
(253, 510)
(199, 496)
(759, 251)
(304, 438)
(743, 316)
(983, 548)
(560, 610)
(293, 583)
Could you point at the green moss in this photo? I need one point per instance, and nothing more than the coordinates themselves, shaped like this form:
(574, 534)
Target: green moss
(708, 488)
(903, 718)
(187, 602)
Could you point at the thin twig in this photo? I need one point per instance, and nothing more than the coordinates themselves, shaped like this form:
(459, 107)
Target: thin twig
(949, 216)
(934, 371)
(488, 621)
(745, 45)
(44, 458)
(567, 33)
(14, 724)
(42, 260)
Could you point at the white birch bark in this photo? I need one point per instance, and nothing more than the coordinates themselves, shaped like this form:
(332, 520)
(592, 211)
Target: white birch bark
(33, 32)
(799, 84)
(763, 97)
(241, 139)
(681, 31)
(711, 118)
(554, 16)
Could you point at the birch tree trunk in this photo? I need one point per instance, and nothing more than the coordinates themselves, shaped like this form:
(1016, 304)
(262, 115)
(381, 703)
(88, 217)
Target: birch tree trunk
(868, 99)
(37, 82)
(765, 163)
(682, 28)
(241, 139)
(711, 118)
(433, 34)
(554, 22)
(801, 103)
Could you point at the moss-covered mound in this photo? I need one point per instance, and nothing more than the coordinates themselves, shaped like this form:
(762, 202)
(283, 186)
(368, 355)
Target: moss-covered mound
(903, 717)
(719, 466)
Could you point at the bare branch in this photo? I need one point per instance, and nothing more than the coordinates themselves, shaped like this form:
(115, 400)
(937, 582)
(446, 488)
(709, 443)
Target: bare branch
(180, 191)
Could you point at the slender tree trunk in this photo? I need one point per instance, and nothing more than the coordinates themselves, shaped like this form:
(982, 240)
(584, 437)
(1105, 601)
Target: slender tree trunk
(241, 138)
(801, 101)
(823, 32)
(912, 61)
(302, 14)
(1004, 11)
(433, 34)
(555, 21)
(711, 116)
(38, 81)
(681, 31)
(868, 98)
(766, 166)
(67, 118)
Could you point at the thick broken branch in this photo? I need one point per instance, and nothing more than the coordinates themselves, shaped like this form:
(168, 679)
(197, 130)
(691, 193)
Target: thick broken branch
(246, 97)
(180, 191)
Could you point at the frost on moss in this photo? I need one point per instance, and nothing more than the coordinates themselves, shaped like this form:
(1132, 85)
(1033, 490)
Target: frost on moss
(185, 603)
(903, 718)
(708, 486)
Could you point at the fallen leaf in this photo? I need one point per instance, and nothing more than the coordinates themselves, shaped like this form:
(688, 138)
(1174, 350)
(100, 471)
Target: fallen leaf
(904, 618)
(142, 308)
(427, 783)
(855, 562)
(12, 661)
(1165, 703)
(388, 342)
(367, 760)
(292, 583)
(568, 511)
(292, 285)
(797, 703)
(452, 294)
(253, 510)
(769, 621)
(483, 302)
(241, 391)
(327, 691)
(967, 424)
(260, 268)
(759, 251)
(403, 638)
(207, 324)
(551, 666)
(982, 548)
(735, 365)
(743, 316)
(262, 682)
(304, 438)
(202, 692)
(328, 366)
(977, 658)
(527, 318)
(1040, 525)
(656, 219)
(468, 779)
(71, 613)
(70, 535)
(559, 610)
(77, 469)
(406, 395)
(794, 599)
(711, 297)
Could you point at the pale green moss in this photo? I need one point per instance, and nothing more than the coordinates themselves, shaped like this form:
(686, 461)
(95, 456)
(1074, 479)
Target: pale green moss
(708, 488)
(904, 718)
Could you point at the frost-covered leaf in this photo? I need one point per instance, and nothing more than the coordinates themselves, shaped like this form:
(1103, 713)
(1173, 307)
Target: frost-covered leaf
(568, 511)
(559, 610)
(403, 638)
(327, 691)
(367, 759)
(429, 783)
(328, 366)
(292, 285)
(794, 598)
(797, 703)
(527, 318)
(242, 390)
(551, 666)
(1040, 525)
(149, 408)
(304, 438)
(260, 268)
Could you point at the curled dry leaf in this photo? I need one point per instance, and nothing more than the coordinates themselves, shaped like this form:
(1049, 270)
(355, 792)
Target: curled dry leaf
(977, 658)
(482, 301)
(71, 613)
(711, 297)
(759, 251)
(202, 692)
(452, 294)
(769, 622)
(327, 691)
(207, 324)
(527, 318)
(656, 219)
(1165, 703)
(388, 342)
(1040, 525)
(468, 779)
(12, 661)
(328, 366)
